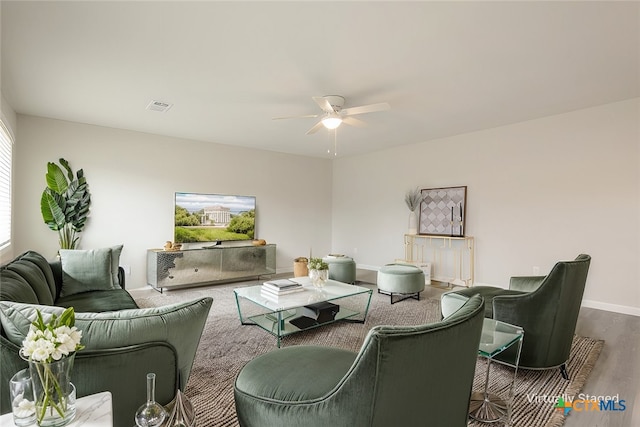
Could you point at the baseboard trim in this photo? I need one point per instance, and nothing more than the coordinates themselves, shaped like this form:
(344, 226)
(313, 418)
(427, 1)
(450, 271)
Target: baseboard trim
(368, 267)
(616, 308)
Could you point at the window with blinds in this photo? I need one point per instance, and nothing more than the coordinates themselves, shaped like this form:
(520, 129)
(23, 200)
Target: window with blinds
(6, 151)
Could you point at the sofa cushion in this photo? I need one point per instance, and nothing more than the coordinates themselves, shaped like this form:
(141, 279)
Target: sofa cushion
(283, 375)
(98, 301)
(86, 270)
(115, 263)
(179, 324)
(28, 279)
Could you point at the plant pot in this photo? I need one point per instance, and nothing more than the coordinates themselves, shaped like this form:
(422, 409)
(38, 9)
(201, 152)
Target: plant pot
(300, 267)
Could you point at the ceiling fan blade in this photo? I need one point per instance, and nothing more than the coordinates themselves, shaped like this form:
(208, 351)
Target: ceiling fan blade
(296, 117)
(323, 103)
(383, 106)
(315, 128)
(352, 121)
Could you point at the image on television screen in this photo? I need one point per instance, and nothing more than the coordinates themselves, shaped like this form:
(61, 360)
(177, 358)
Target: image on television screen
(204, 218)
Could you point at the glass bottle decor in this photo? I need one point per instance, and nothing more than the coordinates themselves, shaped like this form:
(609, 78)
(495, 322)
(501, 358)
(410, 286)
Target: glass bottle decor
(181, 412)
(151, 414)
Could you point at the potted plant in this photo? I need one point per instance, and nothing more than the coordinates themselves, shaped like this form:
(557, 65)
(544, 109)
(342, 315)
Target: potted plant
(65, 203)
(413, 198)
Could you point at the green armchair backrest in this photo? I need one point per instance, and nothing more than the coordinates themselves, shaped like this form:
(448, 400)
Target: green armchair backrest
(427, 370)
(547, 314)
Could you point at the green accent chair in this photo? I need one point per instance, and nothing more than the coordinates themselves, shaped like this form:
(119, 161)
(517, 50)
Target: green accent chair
(546, 307)
(401, 280)
(402, 376)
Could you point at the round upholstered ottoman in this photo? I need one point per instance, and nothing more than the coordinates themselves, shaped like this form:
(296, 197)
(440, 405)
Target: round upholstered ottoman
(404, 280)
(342, 268)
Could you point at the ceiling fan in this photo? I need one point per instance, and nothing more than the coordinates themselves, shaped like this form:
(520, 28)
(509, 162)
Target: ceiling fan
(333, 115)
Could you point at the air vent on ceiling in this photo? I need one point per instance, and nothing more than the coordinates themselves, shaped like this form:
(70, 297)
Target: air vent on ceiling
(163, 107)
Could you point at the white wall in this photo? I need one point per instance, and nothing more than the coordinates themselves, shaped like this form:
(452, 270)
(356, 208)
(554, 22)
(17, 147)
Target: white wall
(132, 177)
(8, 115)
(538, 192)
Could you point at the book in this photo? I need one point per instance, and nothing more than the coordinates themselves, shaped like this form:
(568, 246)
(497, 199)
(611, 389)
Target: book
(280, 286)
(324, 311)
(281, 283)
(282, 291)
(269, 296)
(335, 256)
(275, 292)
(273, 296)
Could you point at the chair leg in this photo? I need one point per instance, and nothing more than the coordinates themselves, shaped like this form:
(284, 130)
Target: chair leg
(563, 371)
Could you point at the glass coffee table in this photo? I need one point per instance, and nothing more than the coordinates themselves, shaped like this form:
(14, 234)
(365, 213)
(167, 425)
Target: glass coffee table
(496, 337)
(276, 315)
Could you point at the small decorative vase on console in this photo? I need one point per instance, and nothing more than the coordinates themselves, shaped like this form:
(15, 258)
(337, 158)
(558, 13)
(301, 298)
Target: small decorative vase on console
(413, 223)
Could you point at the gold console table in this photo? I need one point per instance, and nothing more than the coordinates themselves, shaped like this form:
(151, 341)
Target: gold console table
(451, 257)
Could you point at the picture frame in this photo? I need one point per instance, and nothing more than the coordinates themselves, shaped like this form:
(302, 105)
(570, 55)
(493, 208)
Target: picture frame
(443, 211)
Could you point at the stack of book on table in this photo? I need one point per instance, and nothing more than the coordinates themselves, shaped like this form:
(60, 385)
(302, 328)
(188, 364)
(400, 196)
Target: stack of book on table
(274, 288)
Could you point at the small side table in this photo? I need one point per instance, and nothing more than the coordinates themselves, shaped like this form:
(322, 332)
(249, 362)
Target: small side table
(496, 337)
(94, 410)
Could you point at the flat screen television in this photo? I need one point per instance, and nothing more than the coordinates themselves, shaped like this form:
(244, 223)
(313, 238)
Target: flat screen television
(213, 218)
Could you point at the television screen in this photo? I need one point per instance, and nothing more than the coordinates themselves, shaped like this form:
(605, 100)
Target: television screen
(206, 218)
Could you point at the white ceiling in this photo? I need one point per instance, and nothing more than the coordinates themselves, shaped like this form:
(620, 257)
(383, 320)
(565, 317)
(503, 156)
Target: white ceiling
(446, 68)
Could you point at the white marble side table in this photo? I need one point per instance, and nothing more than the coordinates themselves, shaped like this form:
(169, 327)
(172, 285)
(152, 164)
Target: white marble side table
(94, 410)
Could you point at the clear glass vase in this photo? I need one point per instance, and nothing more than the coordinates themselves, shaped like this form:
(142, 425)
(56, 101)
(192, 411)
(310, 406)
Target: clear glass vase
(319, 277)
(54, 395)
(151, 414)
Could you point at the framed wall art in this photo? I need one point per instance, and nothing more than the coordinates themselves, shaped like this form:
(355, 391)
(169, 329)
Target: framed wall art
(443, 211)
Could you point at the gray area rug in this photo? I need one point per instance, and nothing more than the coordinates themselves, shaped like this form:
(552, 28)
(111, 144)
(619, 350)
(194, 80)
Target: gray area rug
(226, 346)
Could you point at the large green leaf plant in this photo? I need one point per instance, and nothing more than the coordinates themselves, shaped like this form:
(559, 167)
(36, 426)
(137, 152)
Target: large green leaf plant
(65, 203)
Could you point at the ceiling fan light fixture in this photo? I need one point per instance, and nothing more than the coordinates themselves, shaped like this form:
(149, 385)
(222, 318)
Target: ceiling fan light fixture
(331, 122)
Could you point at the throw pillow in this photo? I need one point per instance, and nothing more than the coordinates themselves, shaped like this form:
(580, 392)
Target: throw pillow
(86, 270)
(115, 263)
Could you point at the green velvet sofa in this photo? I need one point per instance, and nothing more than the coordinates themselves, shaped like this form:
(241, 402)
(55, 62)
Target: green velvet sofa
(122, 342)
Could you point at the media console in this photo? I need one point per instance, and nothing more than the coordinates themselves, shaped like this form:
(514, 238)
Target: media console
(196, 267)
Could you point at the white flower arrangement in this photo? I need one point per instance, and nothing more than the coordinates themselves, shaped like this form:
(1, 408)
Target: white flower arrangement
(52, 341)
(45, 345)
(24, 407)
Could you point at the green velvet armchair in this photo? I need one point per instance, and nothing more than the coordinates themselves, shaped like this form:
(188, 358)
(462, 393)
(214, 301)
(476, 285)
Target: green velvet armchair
(546, 307)
(402, 376)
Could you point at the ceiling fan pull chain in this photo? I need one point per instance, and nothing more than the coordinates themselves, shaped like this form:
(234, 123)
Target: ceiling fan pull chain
(329, 143)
